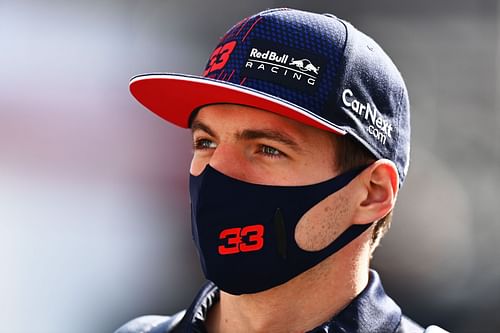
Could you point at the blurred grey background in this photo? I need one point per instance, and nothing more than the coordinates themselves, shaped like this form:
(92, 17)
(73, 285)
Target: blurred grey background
(94, 219)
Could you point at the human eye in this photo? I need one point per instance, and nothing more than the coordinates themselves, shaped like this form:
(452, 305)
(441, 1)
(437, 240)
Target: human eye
(203, 144)
(270, 152)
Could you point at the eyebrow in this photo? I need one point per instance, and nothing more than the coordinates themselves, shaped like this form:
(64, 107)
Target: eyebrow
(252, 134)
(198, 125)
(270, 134)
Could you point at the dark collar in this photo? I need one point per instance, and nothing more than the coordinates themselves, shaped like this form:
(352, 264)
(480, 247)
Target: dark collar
(371, 311)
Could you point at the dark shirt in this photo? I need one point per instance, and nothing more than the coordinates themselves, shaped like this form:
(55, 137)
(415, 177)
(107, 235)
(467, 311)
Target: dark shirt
(372, 311)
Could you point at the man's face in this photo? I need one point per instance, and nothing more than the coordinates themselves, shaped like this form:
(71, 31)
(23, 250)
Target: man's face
(260, 147)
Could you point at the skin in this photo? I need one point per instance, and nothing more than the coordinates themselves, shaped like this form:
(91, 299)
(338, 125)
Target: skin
(265, 148)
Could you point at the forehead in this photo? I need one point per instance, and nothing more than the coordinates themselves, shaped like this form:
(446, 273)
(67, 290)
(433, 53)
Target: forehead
(240, 116)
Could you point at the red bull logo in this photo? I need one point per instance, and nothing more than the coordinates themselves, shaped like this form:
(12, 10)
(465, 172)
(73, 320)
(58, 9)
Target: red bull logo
(268, 55)
(305, 65)
(283, 65)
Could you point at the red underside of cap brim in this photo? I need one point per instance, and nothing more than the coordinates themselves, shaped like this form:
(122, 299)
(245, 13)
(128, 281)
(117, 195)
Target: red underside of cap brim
(175, 96)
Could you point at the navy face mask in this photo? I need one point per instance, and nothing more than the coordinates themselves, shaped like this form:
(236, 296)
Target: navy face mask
(245, 233)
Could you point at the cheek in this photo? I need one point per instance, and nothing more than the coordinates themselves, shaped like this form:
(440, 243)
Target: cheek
(323, 223)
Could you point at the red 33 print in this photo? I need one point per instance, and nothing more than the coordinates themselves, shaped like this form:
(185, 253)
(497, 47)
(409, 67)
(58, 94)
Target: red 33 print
(246, 239)
(219, 57)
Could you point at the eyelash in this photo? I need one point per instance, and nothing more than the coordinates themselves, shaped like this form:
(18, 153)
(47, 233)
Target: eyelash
(202, 144)
(265, 150)
(270, 152)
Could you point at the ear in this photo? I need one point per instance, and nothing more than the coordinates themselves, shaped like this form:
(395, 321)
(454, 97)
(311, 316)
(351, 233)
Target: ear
(378, 188)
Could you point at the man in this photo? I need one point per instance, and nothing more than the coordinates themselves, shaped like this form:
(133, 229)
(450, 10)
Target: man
(301, 140)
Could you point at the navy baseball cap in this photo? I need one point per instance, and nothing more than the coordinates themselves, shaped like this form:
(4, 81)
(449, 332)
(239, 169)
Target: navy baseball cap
(314, 68)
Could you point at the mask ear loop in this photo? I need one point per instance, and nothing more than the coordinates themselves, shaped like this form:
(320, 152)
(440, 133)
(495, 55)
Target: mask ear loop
(349, 234)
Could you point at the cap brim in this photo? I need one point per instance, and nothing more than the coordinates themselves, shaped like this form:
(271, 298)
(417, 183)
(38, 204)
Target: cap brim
(175, 96)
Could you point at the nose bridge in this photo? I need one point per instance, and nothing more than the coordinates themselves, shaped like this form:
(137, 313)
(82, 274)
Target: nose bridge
(228, 158)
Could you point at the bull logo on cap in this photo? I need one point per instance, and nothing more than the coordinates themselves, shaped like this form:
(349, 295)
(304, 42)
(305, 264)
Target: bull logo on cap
(305, 65)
